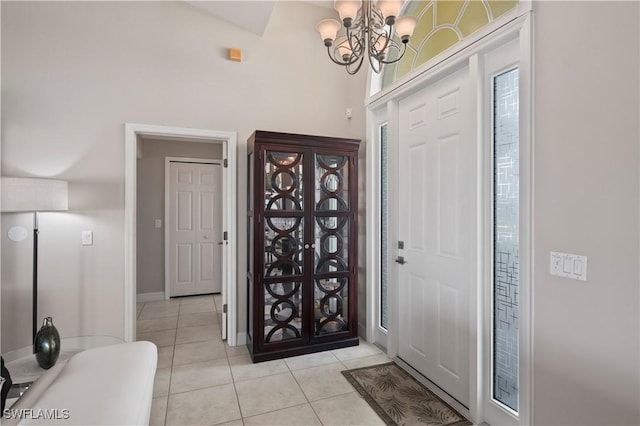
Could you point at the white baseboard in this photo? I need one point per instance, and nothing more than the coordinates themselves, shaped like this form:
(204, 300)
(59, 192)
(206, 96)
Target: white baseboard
(362, 332)
(241, 338)
(150, 297)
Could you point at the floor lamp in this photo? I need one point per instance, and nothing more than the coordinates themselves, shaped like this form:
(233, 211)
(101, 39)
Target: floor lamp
(34, 195)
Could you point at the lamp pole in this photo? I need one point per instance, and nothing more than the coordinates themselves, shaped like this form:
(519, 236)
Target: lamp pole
(35, 280)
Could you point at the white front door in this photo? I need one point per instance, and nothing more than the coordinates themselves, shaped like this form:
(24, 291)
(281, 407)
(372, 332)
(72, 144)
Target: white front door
(195, 228)
(437, 225)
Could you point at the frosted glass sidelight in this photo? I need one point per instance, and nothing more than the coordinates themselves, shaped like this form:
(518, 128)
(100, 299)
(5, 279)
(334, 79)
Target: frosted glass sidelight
(506, 270)
(384, 226)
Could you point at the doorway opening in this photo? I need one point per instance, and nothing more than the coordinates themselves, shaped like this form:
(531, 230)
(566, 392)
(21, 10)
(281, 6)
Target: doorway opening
(226, 143)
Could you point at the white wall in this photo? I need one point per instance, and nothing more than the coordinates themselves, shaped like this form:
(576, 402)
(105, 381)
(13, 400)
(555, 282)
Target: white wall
(74, 72)
(586, 195)
(150, 190)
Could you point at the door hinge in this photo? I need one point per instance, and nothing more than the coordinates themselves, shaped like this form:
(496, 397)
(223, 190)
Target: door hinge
(224, 308)
(225, 163)
(225, 235)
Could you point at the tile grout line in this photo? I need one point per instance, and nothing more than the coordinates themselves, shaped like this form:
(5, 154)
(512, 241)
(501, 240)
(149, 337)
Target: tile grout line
(172, 359)
(235, 390)
(233, 379)
(173, 354)
(305, 395)
(300, 386)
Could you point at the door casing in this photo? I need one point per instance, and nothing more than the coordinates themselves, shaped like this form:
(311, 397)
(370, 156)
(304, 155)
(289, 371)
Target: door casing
(384, 107)
(229, 216)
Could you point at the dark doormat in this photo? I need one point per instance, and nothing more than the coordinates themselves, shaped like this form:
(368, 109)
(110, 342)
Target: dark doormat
(399, 399)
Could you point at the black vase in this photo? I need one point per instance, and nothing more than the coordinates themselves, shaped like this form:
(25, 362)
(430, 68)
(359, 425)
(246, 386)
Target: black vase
(47, 344)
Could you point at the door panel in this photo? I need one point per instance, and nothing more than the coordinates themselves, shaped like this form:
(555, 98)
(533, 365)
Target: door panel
(418, 321)
(437, 157)
(448, 301)
(184, 210)
(195, 225)
(206, 266)
(447, 196)
(207, 206)
(184, 263)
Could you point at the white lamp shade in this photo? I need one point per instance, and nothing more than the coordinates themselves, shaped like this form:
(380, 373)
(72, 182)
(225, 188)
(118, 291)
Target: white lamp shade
(347, 8)
(328, 28)
(405, 26)
(389, 7)
(31, 195)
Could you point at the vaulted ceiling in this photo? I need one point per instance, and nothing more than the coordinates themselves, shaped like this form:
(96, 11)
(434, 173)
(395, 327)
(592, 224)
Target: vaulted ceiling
(253, 16)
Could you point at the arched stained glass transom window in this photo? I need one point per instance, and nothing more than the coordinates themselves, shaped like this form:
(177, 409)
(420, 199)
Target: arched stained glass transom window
(442, 24)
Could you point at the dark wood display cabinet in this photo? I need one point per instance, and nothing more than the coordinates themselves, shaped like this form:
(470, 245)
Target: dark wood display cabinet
(302, 248)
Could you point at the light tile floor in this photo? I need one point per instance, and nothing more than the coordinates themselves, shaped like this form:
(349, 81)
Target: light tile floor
(200, 380)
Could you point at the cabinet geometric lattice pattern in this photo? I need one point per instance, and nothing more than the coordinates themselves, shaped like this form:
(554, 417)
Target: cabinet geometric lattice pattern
(302, 256)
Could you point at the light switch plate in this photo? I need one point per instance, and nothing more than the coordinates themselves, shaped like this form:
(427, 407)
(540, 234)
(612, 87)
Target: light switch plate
(565, 265)
(87, 238)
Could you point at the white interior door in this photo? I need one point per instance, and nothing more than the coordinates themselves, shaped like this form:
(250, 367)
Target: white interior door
(437, 215)
(195, 224)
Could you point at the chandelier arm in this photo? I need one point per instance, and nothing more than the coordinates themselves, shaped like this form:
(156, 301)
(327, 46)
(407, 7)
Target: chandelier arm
(400, 56)
(356, 49)
(376, 68)
(332, 58)
(373, 41)
(344, 64)
(352, 72)
(349, 34)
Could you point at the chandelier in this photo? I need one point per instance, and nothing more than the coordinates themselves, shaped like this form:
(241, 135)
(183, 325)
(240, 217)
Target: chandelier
(369, 26)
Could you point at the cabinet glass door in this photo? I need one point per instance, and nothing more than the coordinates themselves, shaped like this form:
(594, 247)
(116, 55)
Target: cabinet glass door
(331, 244)
(283, 246)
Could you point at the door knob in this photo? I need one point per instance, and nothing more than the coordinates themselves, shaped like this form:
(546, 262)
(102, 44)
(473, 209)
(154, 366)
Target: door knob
(401, 260)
